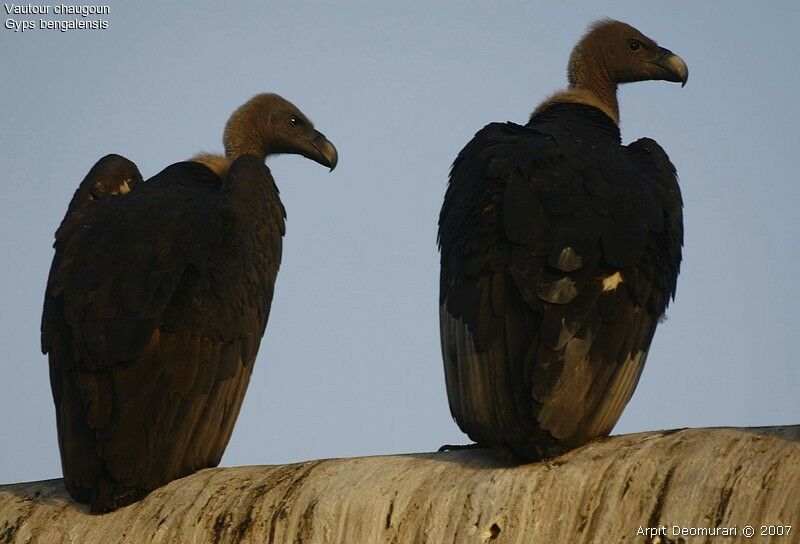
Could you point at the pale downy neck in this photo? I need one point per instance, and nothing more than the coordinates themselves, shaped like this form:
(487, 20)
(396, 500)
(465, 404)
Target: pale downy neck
(590, 83)
(241, 137)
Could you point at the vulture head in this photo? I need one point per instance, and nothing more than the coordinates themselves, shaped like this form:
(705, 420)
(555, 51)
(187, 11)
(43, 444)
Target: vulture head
(620, 53)
(611, 53)
(268, 124)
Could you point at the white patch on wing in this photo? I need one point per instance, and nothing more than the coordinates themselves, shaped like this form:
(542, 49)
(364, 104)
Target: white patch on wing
(611, 282)
(123, 189)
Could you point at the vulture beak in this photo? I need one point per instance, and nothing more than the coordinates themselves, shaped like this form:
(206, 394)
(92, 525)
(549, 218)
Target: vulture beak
(677, 70)
(322, 151)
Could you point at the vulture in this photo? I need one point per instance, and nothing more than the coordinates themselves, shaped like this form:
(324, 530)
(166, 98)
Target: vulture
(560, 251)
(156, 302)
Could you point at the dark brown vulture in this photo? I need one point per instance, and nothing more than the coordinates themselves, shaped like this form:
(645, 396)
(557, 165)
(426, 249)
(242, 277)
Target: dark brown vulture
(157, 300)
(560, 249)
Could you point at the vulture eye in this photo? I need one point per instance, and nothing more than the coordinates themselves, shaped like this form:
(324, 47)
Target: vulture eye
(634, 45)
(296, 121)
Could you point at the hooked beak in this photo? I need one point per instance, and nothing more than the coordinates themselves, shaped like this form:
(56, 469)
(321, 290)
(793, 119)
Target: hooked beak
(676, 69)
(322, 151)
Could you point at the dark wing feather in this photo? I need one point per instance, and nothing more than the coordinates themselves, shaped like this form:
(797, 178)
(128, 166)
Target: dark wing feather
(487, 329)
(153, 315)
(542, 344)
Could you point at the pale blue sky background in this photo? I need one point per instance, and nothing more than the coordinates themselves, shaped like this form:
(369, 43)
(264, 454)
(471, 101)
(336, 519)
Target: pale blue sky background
(350, 364)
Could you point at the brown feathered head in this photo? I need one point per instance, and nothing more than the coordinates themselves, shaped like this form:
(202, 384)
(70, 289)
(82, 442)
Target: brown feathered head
(268, 124)
(610, 53)
(616, 51)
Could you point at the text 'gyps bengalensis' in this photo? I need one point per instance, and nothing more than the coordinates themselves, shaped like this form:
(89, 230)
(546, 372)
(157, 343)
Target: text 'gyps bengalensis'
(560, 249)
(157, 300)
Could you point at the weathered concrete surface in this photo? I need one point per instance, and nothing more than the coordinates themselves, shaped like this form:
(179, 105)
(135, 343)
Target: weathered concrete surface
(602, 492)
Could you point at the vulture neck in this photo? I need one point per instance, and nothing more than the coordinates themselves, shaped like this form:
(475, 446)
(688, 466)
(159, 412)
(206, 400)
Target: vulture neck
(220, 164)
(598, 87)
(234, 150)
(590, 83)
(243, 136)
(605, 100)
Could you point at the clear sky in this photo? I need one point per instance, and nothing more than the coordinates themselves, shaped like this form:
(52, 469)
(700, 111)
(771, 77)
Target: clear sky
(350, 364)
